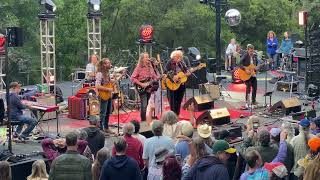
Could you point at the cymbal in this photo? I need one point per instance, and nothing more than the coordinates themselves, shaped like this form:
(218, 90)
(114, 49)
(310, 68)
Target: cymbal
(119, 69)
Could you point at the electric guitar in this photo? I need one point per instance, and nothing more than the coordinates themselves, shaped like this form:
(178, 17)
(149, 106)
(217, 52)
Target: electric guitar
(152, 85)
(172, 85)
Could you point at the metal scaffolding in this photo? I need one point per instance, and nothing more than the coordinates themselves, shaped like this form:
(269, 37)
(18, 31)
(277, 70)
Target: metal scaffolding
(48, 55)
(2, 75)
(94, 35)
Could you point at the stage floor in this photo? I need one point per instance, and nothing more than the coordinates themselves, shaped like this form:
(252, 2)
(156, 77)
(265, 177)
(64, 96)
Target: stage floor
(233, 98)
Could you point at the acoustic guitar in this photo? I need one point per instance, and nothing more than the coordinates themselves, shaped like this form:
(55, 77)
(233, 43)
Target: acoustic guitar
(182, 78)
(106, 95)
(244, 76)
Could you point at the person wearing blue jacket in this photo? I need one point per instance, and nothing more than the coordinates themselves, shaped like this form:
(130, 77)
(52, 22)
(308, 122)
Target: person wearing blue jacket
(286, 44)
(272, 46)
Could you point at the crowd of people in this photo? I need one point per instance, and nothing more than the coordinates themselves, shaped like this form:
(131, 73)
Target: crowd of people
(176, 152)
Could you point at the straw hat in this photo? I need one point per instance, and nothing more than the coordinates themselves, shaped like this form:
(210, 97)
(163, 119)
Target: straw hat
(204, 130)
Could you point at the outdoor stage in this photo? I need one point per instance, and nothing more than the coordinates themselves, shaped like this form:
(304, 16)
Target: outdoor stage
(233, 103)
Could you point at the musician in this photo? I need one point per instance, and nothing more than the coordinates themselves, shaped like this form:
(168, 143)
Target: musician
(91, 68)
(174, 66)
(102, 78)
(16, 113)
(142, 72)
(247, 59)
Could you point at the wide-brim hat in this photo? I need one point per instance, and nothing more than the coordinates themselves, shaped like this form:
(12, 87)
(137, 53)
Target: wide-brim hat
(204, 130)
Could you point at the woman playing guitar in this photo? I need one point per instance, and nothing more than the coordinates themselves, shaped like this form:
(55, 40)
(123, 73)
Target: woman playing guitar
(248, 60)
(142, 75)
(102, 80)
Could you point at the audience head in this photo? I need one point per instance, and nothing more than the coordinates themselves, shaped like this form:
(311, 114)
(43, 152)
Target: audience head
(157, 127)
(128, 129)
(171, 169)
(93, 120)
(82, 135)
(169, 117)
(275, 134)
(276, 170)
(38, 170)
(120, 145)
(136, 126)
(5, 170)
(71, 140)
(200, 147)
(187, 129)
(253, 159)
(222, 150)
(161, 154)
(264, 137)
(204, 130)
(304, 125)
(102, 155)
(315, 123)
(314, 144)
(288, 128)
(253, 121)
(15, 87)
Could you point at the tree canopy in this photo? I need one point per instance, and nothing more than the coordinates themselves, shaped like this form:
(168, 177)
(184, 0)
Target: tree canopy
(176, 23)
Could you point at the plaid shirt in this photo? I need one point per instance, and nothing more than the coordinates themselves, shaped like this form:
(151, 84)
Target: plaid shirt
(142, 72)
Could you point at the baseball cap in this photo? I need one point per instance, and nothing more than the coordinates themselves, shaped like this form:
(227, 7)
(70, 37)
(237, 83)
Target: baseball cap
(187, 129)
(14, 84)
(222, 145)
(275, 132)
(204, 130)
(161, 154)
(314, 144)
(304, 123)
(277, 168)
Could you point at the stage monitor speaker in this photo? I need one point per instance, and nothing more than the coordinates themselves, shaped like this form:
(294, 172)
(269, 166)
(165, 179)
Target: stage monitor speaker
(15, 36)
(212, 89)
(287, 106)
(233, 131)
(214, 117)
(201, 103)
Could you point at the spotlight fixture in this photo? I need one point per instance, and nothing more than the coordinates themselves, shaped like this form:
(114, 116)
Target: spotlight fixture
(47, 9)
(94, 8)
(194, 53)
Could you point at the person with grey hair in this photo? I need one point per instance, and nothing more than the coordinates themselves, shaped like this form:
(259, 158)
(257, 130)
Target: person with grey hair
(82, 135)
(158, 140)
(171, 127)
(120, 166)
(95, 137)
(134, 146)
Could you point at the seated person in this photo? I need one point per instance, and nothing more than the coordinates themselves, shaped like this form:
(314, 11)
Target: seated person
(53, 148)
(16, 114)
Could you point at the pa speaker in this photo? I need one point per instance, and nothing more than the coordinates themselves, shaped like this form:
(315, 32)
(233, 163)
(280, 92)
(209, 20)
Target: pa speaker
(15, 36)
(214, 117)
(202, 102)
(287, 106)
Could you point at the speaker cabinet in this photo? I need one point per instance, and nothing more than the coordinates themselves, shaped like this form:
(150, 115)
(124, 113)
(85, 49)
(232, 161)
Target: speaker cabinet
(285, 86)
(201, 103)
(214, 117)
(287, 106)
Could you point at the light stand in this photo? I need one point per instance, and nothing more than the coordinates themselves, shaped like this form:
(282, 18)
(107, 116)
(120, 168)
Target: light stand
(94, 28)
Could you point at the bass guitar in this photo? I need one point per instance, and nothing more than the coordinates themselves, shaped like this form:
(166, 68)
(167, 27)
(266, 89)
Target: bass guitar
(152, 85)
(174, 85)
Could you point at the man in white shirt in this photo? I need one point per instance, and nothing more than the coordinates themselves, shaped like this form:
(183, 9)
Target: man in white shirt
(231, 49)
(91, 67)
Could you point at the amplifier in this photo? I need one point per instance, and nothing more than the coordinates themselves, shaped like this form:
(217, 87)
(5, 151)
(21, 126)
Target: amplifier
(212, 89)
(285, 86)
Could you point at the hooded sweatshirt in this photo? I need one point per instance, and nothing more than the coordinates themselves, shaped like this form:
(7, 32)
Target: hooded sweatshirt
(208, 168)
(120, 167)
(95, 139)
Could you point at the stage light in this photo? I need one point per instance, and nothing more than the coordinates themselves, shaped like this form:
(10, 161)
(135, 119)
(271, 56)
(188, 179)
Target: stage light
(233, 17)
(198, 57)
(94, 7)
(2, 44)
(146, 33)
(303, 18)
(48, 5)
(194, 53)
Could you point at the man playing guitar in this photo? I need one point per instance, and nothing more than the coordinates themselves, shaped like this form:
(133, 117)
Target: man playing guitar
(246, 60)
(103, 78)
(174, 66)
(142, 75)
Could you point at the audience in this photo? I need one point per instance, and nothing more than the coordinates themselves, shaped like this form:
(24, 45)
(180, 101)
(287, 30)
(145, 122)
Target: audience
(312, 170)
(158, 140)
(276, 171)
(289, 129)
(95, 137)
(5, 170)
(182, 147)
(300, 146)
(134, 146)
(315, 126)
(52, 148)
(39, 171)
(254, 162)
(155, 171)
(136, 134)
(120, 166)
(171, 169)
(82, 135)
(102, 155)
(205, 132)
(171, 127)
(71, 165)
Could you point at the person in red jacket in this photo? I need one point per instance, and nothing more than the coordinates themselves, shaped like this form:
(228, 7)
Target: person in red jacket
(134, 148)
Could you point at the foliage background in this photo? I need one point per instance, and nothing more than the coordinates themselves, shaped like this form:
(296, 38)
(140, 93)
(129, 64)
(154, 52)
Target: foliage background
(176, 23)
